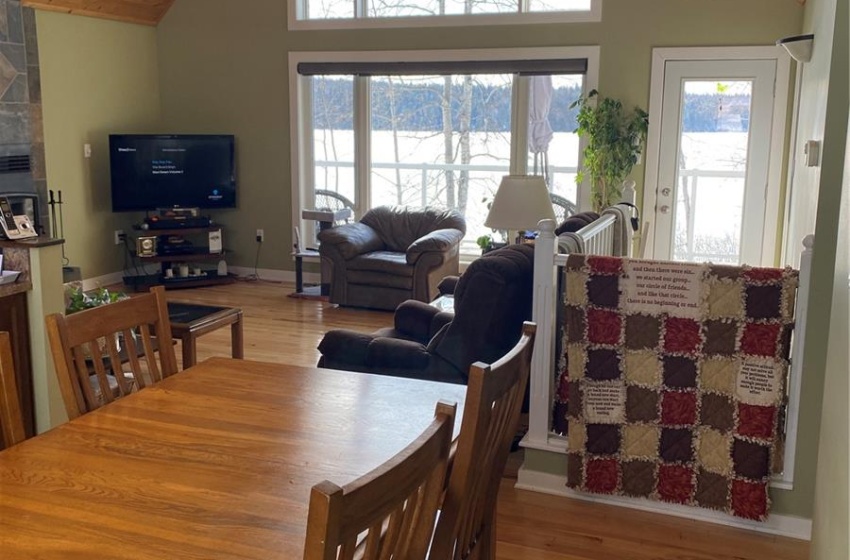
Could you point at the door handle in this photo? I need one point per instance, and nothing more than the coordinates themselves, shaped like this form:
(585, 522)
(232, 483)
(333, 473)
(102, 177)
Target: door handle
(664, 209)
(666, 191)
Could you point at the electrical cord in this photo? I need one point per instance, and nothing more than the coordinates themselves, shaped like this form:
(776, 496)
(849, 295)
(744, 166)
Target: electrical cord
(256, 276)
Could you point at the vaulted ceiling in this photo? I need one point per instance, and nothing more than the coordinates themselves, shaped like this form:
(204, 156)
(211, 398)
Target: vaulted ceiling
(147, 12)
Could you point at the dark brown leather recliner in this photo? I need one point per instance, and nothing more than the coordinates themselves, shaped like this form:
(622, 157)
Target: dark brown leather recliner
(492, 299)
(391, 255)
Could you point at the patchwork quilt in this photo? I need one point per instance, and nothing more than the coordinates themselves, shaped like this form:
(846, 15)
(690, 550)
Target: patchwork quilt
(673, 379)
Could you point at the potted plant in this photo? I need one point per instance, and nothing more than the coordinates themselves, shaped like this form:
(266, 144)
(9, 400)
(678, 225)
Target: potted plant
(615, 139)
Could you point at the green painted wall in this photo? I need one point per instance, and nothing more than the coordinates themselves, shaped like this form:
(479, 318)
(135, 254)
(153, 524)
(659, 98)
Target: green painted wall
(226, 70)
(97, 77)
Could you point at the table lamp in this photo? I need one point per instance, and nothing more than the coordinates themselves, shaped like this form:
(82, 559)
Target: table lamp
(520, 203)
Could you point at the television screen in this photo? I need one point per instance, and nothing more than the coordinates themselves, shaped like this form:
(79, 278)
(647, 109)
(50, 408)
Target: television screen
(172, 171)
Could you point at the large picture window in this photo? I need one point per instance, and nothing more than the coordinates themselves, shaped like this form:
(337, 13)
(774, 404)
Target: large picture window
(403, 13)
(437, 133)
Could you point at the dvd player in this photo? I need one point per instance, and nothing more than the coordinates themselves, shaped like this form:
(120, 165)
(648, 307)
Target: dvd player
(155, 222)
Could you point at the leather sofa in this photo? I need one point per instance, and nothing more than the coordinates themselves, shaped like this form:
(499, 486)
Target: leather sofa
(391, 255)
(492, 299)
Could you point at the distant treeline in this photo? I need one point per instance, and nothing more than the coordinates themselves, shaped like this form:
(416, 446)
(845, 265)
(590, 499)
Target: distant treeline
(418, 108)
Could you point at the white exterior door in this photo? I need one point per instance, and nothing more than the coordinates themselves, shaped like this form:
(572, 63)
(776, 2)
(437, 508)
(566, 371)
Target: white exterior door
(712, 164)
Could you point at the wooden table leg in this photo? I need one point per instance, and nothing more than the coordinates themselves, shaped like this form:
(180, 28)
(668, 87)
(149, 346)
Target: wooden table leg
(236, 340)
(189, 350)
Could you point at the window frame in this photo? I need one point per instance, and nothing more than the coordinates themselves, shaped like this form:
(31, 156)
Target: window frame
(300, 113)
(296, 7)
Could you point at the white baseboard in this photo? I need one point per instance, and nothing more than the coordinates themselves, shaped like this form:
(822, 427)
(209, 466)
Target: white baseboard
(274, 275)
(784, 525)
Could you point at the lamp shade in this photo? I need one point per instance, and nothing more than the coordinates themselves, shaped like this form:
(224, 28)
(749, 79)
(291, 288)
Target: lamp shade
(520, 203)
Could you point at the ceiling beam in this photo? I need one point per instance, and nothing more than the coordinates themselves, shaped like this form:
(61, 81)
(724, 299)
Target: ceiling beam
(145, 12)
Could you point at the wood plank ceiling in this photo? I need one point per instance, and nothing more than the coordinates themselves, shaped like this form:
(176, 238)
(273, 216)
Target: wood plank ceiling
(146, 12)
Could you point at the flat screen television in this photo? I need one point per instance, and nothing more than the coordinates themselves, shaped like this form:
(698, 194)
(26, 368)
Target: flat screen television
(151, 171)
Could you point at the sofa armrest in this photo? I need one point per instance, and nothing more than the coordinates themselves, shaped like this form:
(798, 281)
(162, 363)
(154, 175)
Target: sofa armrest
(351, 240)
(397, 353)
(440, 241)
(413, 318)
(448, 285)
(346, 346)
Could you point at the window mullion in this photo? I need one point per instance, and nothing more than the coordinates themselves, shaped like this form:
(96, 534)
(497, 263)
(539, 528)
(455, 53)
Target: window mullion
(519, 125)
(524, 6)
(362, 144)
(361, 8)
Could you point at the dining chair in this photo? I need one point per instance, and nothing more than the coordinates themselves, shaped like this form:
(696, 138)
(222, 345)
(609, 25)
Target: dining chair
(122, 338)
(11, 417)
(388, 512)
(494, 395)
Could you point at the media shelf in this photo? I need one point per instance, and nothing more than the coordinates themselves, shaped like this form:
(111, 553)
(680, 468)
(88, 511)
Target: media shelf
(167, 249)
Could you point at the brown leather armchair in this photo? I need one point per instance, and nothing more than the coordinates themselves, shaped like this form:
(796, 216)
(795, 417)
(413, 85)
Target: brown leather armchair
(492, 299)
(391, 255)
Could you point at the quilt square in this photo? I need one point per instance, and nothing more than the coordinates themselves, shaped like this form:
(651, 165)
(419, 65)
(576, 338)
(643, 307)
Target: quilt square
(768, 275)
(600, 265)
(641, 404)
(760, 339)
(603, 327)
(602, 475)
(675, 483)
(640, 441)
(576, 288)
(719, 375)
(679, 373)
(643, 368)
(720, 337)
(642, 332)
(576, 361)
(725, 300)
(725, 271)
(638, 478)
(713, 451)
(603, 439)
(678, 408)
(604, 403)
(604, 291)
(749, 500)
(574, 400)
(575, 470)
(712, 490)
(764, 302)
(603, 364)
(718, 412)
(681, 336)
(751, 460)
(677, 445)
(756, 421)
(577, 437)
(575, 324)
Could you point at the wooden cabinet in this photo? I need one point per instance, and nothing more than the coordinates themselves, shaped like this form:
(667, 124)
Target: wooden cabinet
(13, 318)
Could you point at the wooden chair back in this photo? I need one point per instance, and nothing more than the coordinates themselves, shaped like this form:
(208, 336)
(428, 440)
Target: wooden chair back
(11, 417)
(389, 512)
(494, 398)
(95, 350)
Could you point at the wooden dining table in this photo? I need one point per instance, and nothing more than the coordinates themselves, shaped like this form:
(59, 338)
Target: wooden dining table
(214, 462)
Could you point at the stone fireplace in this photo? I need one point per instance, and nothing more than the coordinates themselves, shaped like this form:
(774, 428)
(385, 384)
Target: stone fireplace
(22, 164)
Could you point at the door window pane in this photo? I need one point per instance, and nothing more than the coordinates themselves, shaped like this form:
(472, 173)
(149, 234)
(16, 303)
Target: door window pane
(713, 152)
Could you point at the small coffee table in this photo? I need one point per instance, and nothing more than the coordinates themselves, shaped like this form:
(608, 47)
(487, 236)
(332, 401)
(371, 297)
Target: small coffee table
(191, 320)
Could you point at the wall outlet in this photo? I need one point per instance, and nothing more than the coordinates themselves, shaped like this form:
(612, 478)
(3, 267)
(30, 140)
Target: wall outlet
(260, 236)
(86, 151)
(119, 236)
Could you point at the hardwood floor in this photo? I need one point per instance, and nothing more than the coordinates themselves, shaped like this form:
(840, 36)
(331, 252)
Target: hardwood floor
(531, 526)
